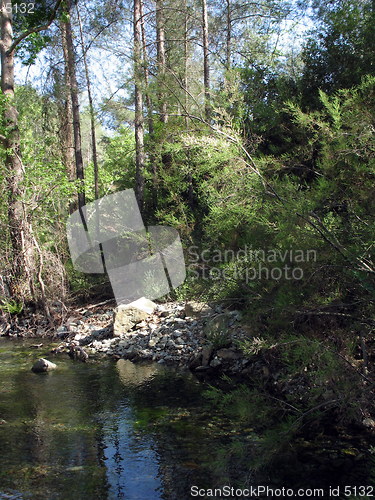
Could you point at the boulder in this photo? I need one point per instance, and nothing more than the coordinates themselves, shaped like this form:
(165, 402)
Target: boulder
(198, 309)
(206, 354)
(128, 315)
(228, 354)
(43, 365)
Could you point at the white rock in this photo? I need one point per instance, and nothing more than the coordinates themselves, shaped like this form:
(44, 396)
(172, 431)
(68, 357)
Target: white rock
(128, 315)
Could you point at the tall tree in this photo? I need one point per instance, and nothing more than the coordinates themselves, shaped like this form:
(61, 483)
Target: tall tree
(161, 58)
(67, 119)
(138, 120)
(206, 62)
(23, 259)
(149, 105)
(228, 45)
(91, 110)
(23, 282)
(71, 66)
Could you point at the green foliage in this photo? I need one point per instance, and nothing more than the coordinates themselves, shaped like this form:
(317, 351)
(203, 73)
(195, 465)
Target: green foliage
(338, 54)
(48, 188)
(10, 306)
(323, 210)
(249, 406)
(218, 338)
(27, 16)
(187, 174)
(118, 169)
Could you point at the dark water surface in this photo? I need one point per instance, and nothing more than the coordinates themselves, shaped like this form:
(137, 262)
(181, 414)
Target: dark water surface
(107, 430)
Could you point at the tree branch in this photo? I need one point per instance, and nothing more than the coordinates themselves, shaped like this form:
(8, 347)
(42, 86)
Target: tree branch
(36, 30)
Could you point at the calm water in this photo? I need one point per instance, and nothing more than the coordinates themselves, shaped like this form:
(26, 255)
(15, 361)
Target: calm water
(115, 430)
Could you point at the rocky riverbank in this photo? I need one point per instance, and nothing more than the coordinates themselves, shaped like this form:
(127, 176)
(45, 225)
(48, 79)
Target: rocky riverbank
(192, 335)
(208, 338)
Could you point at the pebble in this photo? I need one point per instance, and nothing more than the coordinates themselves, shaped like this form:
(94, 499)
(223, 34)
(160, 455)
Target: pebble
(167, 336)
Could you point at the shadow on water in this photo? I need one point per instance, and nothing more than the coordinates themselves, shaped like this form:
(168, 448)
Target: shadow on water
(106, 430)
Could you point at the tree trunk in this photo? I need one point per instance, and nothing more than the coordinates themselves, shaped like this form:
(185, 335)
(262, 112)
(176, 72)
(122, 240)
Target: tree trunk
(228, 37)
(206, 64)
(138, 121)
(67, 121)
(23, 250)
(150, 118)
(160, 43)
(75, 110)
(92, 111)
(186, 54)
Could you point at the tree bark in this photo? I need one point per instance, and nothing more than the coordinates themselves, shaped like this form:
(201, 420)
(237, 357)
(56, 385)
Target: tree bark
(75, 110)
(161, 60)
(186, 55)
(92, 112)
(228, 37)
(67, 120)
(23, 263)
(139, 120)
(150, 119)
(149, 105)
(206, 62)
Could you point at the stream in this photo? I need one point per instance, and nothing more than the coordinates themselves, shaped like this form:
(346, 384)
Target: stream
(118, 430)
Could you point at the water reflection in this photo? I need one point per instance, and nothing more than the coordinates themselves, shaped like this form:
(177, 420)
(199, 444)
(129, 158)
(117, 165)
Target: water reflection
(131, 374)
(109, 431)
(86, 430)
(130, 459)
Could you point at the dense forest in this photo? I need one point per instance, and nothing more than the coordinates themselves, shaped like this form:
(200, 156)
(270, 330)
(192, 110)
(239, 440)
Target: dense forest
(248, 127)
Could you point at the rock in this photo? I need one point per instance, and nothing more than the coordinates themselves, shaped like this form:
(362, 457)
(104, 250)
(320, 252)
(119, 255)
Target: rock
(152, 342)
(228, 354)
(246, 371)
(195, 361)
(369, 422)
(201, 368)
(43, 365)
(215, 362)
(206, 354)
(197, 309)
(236, 315)
(124, 344)
(145, 305)
(78, 353)
(128, 315)
(179, 321)
(36, 346)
